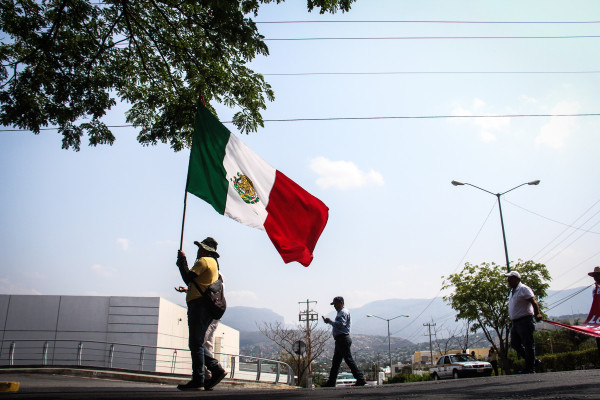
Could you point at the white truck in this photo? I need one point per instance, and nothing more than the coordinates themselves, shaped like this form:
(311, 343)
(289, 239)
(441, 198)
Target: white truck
(458, 366)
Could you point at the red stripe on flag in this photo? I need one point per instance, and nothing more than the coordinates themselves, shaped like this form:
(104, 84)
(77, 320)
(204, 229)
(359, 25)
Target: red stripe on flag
(592, 330)
(295, 221)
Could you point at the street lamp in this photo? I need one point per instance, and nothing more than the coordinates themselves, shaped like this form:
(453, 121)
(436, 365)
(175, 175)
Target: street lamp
(536, 182)
(389, 338)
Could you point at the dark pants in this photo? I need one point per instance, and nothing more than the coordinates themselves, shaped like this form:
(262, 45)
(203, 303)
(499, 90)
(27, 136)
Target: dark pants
(521, 339)
(494, 366)
(342, 352)
(198, 322)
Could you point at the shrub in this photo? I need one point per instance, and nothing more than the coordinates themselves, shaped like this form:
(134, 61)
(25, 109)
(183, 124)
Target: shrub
(409, 378)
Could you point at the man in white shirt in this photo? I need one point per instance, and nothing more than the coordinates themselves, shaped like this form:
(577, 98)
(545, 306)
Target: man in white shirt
(523, 309)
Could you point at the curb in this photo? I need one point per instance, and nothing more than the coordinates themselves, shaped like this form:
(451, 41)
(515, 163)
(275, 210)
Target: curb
(137, 377)
(9, 386)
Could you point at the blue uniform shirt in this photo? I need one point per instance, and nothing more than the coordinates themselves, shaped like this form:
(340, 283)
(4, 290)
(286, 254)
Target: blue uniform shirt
(341, 325)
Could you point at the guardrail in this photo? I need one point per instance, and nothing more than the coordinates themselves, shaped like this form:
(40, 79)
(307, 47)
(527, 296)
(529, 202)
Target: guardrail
(133, 357)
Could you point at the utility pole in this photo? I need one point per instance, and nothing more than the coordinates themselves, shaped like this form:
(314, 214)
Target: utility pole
(428, 325)
(308, 316)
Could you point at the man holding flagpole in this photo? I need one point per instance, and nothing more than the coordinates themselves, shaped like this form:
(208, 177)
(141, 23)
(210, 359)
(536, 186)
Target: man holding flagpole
(204, 273)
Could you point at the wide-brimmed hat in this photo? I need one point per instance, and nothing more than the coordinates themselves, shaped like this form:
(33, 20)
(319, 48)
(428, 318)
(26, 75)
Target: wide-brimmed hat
(595, 272)
(513, 273)
(209, 244)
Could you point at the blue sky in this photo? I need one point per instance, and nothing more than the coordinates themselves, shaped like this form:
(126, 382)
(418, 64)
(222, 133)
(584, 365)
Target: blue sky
(107, 220)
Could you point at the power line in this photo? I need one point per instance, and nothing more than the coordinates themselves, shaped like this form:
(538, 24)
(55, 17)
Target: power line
(425, 22)
(564, 230)
(433, 73)
(553, 220)
(373, 118)
(431, 38)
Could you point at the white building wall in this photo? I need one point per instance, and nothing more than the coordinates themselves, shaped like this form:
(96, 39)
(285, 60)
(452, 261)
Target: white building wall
(66, 321)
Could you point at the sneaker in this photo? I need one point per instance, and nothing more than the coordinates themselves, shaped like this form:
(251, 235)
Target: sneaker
(328, 384)
(214, 381)
(191, 385)
(362, 382)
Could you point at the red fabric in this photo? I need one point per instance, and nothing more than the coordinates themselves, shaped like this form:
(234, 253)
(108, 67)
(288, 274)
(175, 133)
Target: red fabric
(296, 220)
(592, 322)
(592, 330)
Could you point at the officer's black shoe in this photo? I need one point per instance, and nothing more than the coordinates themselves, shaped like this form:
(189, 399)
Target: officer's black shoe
(191, 385)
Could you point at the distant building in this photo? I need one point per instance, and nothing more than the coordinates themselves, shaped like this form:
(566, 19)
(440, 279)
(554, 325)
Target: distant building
(140, 333)
(423, 357)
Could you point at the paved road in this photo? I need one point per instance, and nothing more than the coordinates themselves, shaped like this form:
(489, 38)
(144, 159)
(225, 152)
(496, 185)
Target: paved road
(557, 385)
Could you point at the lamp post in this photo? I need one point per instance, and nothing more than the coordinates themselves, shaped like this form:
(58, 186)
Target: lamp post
(389, 338)
(536, 182)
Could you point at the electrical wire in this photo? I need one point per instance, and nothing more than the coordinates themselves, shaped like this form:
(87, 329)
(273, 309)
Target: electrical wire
(569, 245)
(553, 220)
(424, 22)
(373, 118)
(432, 73)
(577, 265)
(429, 38)
(457, 266)
(565, 299)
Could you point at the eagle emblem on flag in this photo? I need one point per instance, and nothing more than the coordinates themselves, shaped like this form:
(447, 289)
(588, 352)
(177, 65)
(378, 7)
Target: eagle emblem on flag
(244, 187)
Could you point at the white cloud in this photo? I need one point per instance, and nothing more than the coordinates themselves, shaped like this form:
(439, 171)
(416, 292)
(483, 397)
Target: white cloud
(8, 287)
(556, 132)
(343, 174)
(123, 243)
(104, 272)
(488, 127)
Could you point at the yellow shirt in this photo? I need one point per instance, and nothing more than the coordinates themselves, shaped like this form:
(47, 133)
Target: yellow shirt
(208, 273)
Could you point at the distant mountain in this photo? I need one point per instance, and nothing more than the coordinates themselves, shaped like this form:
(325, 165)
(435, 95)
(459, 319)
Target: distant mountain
(246, 318)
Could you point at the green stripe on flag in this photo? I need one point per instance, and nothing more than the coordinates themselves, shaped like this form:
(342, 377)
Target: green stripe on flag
(206, 173)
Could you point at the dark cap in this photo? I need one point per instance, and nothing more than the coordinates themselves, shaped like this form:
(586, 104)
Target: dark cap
(337, 299)
(209, 244)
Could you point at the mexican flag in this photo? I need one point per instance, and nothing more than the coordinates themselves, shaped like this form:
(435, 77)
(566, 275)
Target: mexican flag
(238, 183)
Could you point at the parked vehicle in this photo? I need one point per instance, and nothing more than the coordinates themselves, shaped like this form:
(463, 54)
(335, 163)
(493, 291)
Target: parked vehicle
(458, 366)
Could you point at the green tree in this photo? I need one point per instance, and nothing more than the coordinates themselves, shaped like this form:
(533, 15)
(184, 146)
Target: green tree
(480, 294)
(66, 62)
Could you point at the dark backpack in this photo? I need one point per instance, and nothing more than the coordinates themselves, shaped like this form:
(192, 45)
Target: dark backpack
(214, 298)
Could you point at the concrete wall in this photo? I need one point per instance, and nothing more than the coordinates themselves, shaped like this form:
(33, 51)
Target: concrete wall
(61, 323)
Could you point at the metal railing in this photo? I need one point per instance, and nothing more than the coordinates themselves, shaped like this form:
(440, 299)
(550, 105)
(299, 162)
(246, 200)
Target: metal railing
(133, 357)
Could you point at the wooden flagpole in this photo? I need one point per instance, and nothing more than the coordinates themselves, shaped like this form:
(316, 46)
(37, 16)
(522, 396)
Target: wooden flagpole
(185, 197)
(183, 219)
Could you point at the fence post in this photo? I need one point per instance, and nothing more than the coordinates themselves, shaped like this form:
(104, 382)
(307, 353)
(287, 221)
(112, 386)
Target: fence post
(79, 353)
(232, 367)
(174, 361)
(111, 353)
(258, 369)
(142, 358)
(278, 371)
(11, 354)
(45, 353)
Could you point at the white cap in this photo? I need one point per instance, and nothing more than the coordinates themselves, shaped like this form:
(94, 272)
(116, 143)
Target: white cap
(513, 273)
